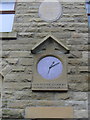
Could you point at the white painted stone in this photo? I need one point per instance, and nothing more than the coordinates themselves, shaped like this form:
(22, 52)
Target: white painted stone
(50, 11)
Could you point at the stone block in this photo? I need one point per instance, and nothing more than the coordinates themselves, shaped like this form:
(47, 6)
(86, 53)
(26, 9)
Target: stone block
(29, 70)
(78, 78)
(79, 87)
(7, 95)
(10, 35)
(85, 54)
(41, 96)
(5, 54)
(18, 69)
(15, 77)
(12, 113)
(79, 47)
(72, 70)
(7, 69)
(63, 35)
(50, 103)
(17, 47)
(12, 61)
(84, 69)
(62, 96)
(25, 94)
(80, 96)
(77, 105)
(16, 86)
(18, 104)
(26, 61)
(81, 114)
(77, 61)
(0, 114)
(19, 54)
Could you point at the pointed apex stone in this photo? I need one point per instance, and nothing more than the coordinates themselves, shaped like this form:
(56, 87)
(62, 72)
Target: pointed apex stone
(49, 38)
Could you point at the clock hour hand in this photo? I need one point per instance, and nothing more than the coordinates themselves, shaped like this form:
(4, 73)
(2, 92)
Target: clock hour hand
(50, 66)
(48, 70)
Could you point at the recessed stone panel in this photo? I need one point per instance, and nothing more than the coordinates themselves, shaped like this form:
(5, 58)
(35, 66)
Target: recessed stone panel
(48, 112)
(50, 10)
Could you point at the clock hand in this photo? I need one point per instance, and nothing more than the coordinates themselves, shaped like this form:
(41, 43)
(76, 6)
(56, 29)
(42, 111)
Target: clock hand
(48, 70)
(54, 65)
(51, 66)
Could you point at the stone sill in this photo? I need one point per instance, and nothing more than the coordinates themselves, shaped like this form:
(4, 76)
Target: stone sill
(8, 35)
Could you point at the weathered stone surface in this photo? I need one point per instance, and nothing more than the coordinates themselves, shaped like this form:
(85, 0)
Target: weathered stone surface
(47, 103)
(84, 69)
(79, 87)
(17, 104)
(17, 54)
(78, 78)
(17, 47)
(77, 105)
(1, 88)
(11, 35)
(81, 113)
(17, 64)
(18, 69)
(5, 54)
(0, 106)
(16, 86)
(12, 61)
(41, 96)
(7, 69)
(76, 61)
(0, 113)
(62, 96)
(13, 113)
(21, 94)
(26, 61)
(15, 77)
(80, 96)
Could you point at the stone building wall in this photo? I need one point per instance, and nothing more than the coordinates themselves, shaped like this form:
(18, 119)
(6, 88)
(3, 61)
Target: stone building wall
(1, 86)
(72, 30)
(0, 108)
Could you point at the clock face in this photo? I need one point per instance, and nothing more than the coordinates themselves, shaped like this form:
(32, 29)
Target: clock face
(50, 67)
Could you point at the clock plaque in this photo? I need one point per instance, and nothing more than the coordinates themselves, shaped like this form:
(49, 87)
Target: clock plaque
(50, 66)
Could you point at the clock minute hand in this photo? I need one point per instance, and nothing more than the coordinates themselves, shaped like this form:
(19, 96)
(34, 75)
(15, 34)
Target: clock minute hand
(54, 65)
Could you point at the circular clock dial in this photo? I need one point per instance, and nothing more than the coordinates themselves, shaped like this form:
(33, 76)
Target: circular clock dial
(50, 10)
(50, 67)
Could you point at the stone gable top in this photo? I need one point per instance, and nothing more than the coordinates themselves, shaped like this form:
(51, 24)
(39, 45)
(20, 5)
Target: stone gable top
(49, 38)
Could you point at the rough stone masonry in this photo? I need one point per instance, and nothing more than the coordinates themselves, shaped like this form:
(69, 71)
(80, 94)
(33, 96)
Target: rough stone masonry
(17, 63)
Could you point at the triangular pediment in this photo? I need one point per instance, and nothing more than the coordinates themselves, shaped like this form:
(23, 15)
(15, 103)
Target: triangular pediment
(46, 42)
